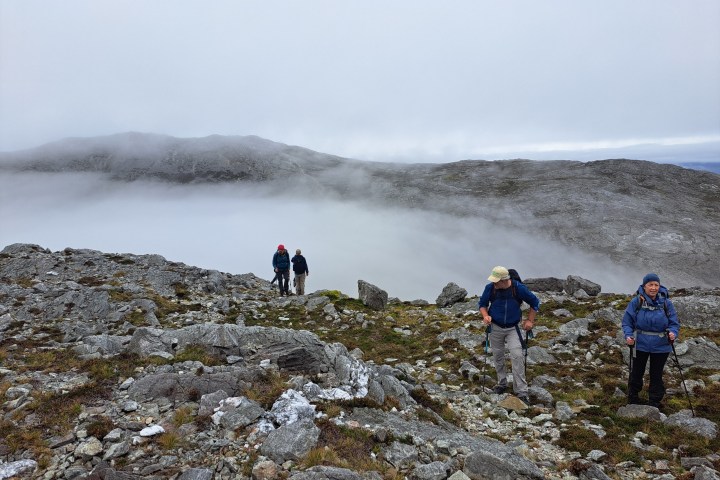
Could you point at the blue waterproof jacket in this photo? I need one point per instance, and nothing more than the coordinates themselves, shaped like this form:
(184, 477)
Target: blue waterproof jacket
(504, 308)
(650, 316)
(281, 261)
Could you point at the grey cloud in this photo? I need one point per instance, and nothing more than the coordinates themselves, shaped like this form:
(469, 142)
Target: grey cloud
(371, 80)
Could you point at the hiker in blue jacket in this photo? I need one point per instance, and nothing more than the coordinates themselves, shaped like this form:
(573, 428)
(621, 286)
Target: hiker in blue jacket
(650, 323)
(281, 265)
(500, 305)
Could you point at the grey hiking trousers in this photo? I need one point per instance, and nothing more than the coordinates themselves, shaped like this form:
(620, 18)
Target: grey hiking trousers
(500, 340)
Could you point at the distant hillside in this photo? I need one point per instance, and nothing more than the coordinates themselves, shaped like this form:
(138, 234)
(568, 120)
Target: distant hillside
(707, 166)
(652, 216)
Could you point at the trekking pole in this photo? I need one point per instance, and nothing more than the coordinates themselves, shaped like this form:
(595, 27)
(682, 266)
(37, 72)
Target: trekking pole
(528, 335)
(677, 362)
(632, 348)
(487, 344)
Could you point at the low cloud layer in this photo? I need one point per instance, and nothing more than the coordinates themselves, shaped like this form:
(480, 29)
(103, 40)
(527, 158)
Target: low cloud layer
(236, 229)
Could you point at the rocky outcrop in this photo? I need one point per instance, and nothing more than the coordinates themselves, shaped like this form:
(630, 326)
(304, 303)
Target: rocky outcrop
(450, 295)
(372, 296)
(217, 378)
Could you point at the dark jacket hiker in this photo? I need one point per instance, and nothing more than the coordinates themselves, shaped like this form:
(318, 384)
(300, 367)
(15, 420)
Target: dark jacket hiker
(281, 265)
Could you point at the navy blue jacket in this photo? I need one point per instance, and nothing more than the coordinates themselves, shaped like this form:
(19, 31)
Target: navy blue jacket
(281, 261)
(650, 316)
(299, 265)
(504, 309)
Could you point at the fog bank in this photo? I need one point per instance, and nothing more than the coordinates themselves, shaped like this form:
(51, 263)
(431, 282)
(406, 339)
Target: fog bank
(236, 229)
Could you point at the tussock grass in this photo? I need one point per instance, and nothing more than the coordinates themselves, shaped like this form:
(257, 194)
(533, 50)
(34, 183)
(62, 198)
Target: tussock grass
(200, 354)
(268, 388)
(100, 426)
(182, 416)
(91, 281)
(170, 440)
(344, 447)
(445, 412)
(47, 361)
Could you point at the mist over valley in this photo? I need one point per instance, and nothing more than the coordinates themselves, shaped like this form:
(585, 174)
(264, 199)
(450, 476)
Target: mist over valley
(225, 203)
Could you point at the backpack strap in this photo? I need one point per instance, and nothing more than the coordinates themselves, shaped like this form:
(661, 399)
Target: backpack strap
(641, 301)
(513, 290)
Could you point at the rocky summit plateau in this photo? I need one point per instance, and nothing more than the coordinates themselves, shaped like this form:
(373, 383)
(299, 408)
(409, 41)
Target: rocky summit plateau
(124, 366)
(645, 215)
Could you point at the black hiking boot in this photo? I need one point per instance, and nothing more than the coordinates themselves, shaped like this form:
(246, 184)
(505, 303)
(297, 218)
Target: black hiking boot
(499, 389)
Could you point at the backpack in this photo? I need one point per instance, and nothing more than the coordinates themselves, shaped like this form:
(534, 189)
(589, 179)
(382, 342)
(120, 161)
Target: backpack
(515, 277)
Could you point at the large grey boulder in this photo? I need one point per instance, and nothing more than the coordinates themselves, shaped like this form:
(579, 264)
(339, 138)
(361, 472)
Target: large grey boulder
(210, 401)
(537, 355)
(504, 461)
(639, 411)
(698, 425)
(463, 336)
(12, 469)
(574, 329)
(450, 295)
(394, 388)
(574, 283)
(196, 474)
(698, 311)
(400, 455)
(290, 442)
(292, 350)
(237, 412)
(546, 284)
(481, 465)
(183, 388)
(698, 351)
(322, 472)
(107, 344)
(372, 296)
(430, 471)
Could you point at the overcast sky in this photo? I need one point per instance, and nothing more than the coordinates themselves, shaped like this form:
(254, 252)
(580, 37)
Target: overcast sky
(377, 80)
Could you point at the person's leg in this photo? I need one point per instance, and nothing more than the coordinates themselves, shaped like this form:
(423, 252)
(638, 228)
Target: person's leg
(518, 364)
(300, 284)
(636, 376)
(656, 390)
(497, 343)
(286, 277)
(282, 282)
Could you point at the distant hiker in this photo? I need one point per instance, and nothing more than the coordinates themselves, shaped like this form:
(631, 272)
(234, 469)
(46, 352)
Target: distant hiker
(650, 324)
(281, 265)
(503, 317)
(300, 268)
